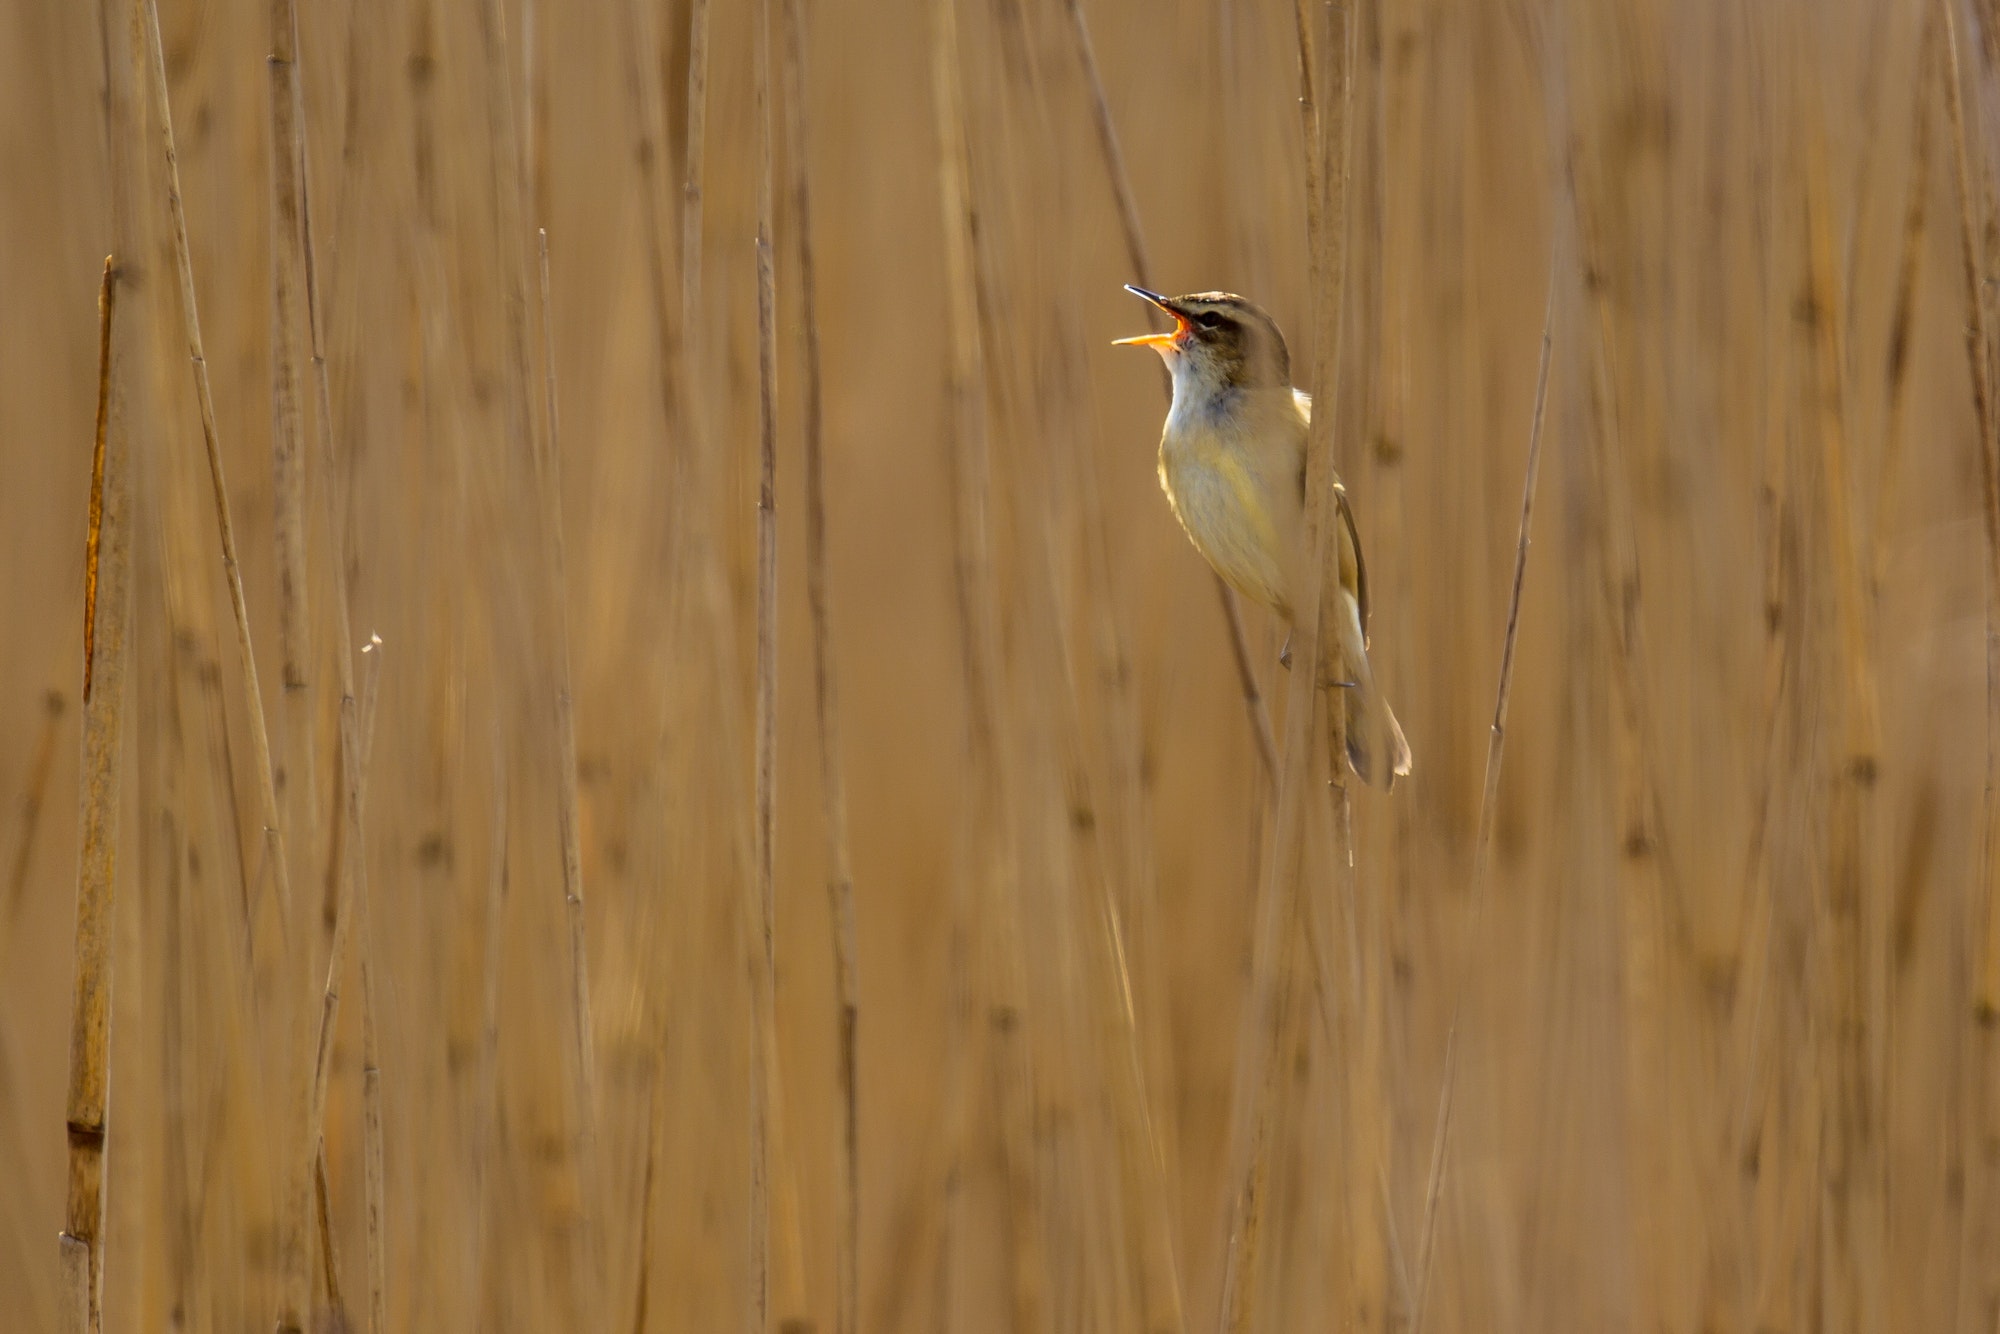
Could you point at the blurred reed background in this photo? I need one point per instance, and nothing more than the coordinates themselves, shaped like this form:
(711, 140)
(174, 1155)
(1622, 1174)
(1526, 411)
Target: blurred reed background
(1719, 993)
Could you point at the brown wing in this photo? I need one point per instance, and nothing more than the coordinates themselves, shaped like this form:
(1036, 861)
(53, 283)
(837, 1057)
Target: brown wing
(1353, 537)
(1360, 564)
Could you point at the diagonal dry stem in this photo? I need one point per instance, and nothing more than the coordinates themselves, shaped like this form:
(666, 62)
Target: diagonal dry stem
(246, 657)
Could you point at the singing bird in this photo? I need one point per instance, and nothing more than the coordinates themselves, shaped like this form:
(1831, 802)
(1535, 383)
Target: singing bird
(1233, 465)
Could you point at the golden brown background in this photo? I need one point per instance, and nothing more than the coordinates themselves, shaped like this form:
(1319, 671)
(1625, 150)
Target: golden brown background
(1726, 1045)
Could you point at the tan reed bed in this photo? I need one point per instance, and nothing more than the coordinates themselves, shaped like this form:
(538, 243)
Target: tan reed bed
(1709, 998)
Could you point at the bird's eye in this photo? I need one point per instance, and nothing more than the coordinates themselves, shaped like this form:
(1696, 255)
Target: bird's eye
(1208, 319)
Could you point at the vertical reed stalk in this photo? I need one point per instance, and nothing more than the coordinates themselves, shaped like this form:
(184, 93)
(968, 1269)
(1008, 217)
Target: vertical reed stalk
(694, 171)
(298, 770)
(509, 183)
(763, 964)
(985, 939)
(833, 784)
(373, 1184)
(1979, 350)
(549, 476)
(1855, 1229)
(107, 608)
(297, 773)
(350, 871)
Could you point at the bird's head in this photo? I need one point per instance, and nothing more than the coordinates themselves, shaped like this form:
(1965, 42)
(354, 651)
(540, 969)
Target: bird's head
(1219, 342)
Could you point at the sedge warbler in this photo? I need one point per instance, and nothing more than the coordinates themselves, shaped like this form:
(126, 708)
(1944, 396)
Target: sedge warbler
(1233, 465)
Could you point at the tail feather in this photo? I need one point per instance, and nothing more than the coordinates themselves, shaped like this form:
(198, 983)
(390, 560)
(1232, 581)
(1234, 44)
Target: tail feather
(1376, 750)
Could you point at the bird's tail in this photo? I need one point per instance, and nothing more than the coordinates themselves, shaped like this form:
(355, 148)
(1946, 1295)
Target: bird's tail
(1376, 750)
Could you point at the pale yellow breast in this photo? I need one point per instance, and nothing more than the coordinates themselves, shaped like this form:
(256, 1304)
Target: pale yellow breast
(1233, 483)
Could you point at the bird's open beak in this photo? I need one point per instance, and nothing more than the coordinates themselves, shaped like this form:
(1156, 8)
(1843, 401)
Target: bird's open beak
(1157, 340)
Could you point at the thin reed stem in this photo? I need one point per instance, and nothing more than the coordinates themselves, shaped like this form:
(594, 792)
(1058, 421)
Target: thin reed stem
(374, 1185)
(763, 963)
(1853, 1160)
(298, 769)
(985, 936)
(693, 172)
(508, 169)
(833, 784)
(1979, 351)
(1489, 801)
(567, 805)
(1979, 1284)
(350, 871)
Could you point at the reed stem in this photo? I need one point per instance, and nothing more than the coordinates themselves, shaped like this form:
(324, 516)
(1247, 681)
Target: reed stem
(826, 693)
(107, 609)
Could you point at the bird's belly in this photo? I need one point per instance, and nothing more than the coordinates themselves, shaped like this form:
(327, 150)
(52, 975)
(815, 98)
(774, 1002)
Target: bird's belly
(1228, 516)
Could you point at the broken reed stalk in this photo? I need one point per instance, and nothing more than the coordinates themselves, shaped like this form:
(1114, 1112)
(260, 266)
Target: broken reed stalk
(1135, 255)
(763, 999)
(107, 607)
(1489, 800)
(329, 1254)
(1265, 1023)
(833, 786)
